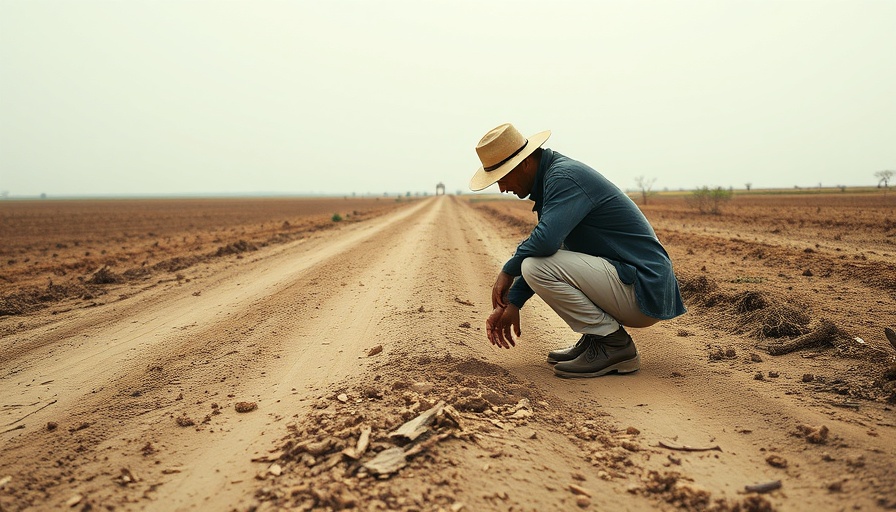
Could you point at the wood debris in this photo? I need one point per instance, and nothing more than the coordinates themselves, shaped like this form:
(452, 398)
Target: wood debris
(764, 487)
(672, 445)
(579, 490)
(419, 425)
(387, 461)
(363, 442)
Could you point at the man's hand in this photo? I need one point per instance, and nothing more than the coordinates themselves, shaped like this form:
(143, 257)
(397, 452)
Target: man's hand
(499, 323)
(500, 289)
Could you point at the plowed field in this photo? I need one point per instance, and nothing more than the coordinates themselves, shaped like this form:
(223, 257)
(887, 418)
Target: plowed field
(248, 358)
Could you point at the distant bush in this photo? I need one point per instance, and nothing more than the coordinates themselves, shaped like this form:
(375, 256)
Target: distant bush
(709, 200)
(336, 217)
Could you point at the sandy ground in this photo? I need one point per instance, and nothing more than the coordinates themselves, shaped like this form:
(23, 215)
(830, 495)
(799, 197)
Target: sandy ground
(133, 404)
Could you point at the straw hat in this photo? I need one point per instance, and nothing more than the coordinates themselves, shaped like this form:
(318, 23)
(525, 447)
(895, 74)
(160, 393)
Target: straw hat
(502, 149)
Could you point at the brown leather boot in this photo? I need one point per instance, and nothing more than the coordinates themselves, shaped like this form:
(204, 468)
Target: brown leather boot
(568, 353)
(602, 355)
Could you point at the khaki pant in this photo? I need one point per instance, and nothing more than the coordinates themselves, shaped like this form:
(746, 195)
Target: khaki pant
(585, 291)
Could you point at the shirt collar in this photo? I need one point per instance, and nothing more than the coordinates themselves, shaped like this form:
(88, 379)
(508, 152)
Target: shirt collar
(537, 194)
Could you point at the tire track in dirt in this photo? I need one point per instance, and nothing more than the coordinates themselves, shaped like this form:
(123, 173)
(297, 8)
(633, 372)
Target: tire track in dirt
(237, 322)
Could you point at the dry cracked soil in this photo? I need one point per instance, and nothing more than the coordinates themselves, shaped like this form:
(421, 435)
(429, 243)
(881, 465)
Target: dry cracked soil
(347, 369)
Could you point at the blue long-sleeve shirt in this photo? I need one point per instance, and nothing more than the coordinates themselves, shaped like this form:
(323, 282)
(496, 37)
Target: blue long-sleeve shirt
(580, 210)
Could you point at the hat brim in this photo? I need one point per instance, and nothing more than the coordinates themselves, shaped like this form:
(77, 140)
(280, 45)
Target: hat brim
(484, 179)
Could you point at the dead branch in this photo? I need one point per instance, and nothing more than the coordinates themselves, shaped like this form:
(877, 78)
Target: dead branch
(824, 334)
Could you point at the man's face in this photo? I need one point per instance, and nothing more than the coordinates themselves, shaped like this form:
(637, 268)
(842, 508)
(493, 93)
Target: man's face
(517, 181)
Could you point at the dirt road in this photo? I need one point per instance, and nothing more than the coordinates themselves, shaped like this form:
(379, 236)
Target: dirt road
(132, 404)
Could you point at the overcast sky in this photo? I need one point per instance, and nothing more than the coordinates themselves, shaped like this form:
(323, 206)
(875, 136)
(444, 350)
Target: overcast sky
(214, 97)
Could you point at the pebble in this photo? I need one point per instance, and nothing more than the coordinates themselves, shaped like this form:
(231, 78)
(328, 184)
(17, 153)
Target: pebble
(583, 501)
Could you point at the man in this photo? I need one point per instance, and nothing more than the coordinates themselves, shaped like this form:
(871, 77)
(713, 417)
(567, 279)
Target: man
(592, 257)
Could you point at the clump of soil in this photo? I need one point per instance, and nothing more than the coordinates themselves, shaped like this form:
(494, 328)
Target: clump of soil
(245, 406)
(105, 276)
(236, 248)
(815, 435)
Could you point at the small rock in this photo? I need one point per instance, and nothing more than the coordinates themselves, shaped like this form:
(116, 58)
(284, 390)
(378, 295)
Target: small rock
(773, 375)
(808, 377)
(820, 436)
(808, 273)
(815, 435)
(730, 352)
(275, 469)
(74, 500)
(52, 425)
(422, 387)
(759, 376)
(5, 480)
(630, 446)
(583, 501)
(466, 325)
(578, 476)
(185, 421)
(528, 433)
(521, 414)
(245, 406)
(632, 431)
(755, 358)
(776, 461)
(835, 486)
(375, 350)
(342, 397)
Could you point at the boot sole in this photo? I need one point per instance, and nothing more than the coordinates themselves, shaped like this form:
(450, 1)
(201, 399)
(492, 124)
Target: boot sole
(632, 365)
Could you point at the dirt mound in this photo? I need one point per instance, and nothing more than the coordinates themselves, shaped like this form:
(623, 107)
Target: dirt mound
(105, 276)
(761, 314)
(32, 298)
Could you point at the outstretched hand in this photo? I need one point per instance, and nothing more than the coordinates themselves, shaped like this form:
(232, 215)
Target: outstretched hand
(499, 323)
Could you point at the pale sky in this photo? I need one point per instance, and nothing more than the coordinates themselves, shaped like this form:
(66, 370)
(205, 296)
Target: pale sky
(138, 97)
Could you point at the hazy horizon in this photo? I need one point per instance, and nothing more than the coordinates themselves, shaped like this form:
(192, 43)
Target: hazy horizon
(150, 98)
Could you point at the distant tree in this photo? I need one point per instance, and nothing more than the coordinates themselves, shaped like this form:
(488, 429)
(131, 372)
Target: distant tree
(644, 185)
(842, 188)
(709, 200)
(748, 185)
(883, 177)
(4, 194)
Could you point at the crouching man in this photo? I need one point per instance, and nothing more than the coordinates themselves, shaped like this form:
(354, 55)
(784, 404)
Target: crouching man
(593, 257)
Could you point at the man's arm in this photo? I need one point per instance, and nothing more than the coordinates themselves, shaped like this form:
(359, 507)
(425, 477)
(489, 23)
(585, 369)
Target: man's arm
(565, 205)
